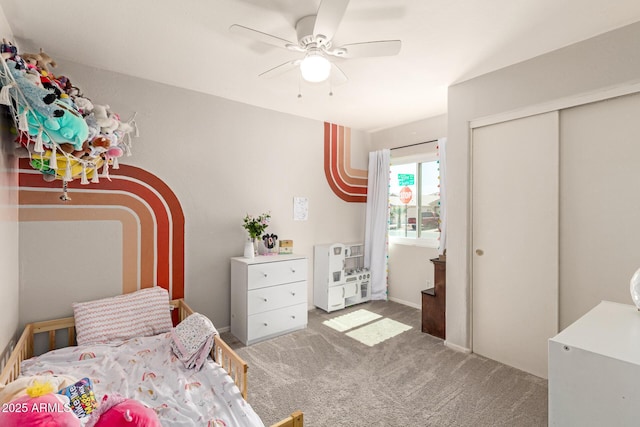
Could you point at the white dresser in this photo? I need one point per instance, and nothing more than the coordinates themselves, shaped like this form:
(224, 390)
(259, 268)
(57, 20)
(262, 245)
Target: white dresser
(268, 296)
(594, 369)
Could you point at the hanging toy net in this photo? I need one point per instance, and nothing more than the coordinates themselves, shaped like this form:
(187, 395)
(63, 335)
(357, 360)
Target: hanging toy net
(62, 132)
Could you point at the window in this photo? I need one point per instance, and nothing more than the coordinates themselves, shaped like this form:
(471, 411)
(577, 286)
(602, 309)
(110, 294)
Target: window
(414, 203)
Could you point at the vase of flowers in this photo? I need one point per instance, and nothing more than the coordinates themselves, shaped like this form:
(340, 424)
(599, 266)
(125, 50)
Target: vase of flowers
(255, 226)
(249, 251)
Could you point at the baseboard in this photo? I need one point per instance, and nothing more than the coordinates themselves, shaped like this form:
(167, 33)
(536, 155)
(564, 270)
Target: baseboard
(457, 347)
(224, 329)
(410, 304)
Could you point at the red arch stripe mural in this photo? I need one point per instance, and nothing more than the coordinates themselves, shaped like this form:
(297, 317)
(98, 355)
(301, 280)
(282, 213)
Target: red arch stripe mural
(150, 213)
(348, 183)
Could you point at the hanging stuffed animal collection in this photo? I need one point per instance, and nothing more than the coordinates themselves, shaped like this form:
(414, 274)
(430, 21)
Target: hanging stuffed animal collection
(66, 135)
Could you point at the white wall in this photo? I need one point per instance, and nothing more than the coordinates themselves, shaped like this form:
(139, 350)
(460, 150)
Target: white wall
(224, 159)
(90, 270)
(409, 266)
(601, 62)
(9, 277)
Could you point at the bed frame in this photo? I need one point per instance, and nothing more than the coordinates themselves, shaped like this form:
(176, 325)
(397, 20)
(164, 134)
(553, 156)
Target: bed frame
(221, 353)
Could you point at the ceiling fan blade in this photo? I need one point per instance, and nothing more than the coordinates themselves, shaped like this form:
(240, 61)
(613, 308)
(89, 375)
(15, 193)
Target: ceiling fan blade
(328, 18)
(367, 49)
(338, 77)
(280, 69)
(259, 36)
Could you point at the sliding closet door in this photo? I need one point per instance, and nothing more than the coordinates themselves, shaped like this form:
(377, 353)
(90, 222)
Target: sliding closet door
(515, 241)
(599, 204)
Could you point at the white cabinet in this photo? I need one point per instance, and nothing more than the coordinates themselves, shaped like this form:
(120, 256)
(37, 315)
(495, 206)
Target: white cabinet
(594, 367)
(268, 296)
(339, 276)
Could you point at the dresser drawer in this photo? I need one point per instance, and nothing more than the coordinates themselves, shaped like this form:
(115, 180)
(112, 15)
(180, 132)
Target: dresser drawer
(273, 322)
(274, 297)
(275, 273)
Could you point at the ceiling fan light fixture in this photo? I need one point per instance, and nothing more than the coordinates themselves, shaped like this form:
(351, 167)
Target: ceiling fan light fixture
(315, 67)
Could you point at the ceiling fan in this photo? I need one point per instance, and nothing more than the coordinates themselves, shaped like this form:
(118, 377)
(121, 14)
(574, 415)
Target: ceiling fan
(315, 34)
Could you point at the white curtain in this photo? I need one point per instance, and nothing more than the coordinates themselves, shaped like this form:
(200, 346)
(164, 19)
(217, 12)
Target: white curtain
(442, 143)
(376, 222)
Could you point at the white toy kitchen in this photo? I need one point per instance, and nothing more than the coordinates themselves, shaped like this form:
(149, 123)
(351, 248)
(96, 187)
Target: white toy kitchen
(339, 277)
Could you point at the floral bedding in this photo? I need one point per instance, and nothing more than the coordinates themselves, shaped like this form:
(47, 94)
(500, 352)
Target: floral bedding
(146, 369)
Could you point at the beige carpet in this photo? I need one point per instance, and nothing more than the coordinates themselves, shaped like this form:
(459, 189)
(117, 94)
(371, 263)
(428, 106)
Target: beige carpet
(410, 379)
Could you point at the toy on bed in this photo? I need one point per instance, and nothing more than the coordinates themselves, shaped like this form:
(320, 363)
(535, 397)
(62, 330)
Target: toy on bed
(82, 400)
(118, 411)
(40, 407)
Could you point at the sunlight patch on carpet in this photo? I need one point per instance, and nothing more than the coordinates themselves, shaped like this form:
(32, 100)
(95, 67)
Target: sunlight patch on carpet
(378, 332)
(351, 320)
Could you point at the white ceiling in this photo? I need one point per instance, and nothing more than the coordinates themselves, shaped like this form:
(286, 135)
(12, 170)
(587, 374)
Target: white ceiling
(186, 43)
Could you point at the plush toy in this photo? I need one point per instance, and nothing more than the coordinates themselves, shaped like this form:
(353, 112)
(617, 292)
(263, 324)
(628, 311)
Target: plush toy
(127, 127)
(63, 83)
(7, 49)
(117, 411)
(107, 122)
(49, 83)
(270, 240)
(99, 145)
(114, 152)
(83, 152)
(71, 149)
(39, 98)
(39, 408)
(84, 104)
(68, 128)
(34, 78)
(92, 124)
(40, 60)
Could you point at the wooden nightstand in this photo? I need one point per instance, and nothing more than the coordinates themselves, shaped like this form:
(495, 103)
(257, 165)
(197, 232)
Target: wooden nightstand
(434, 302)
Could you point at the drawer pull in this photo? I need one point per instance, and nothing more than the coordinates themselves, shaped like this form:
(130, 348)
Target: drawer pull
(265, 300)
(293, 293)
(265, 274)
(293, 317)
(265, 324)
(293, 270)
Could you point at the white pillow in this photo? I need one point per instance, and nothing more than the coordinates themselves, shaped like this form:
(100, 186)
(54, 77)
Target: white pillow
(139, 314)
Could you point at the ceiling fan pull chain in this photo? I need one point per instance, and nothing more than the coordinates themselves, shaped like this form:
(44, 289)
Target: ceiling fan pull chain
(299, 88)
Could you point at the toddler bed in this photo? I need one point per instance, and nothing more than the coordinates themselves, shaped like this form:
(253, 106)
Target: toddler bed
(145, 368)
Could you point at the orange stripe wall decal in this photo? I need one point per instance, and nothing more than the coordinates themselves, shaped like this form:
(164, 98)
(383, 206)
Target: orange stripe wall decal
(151, 216)
(348, 183)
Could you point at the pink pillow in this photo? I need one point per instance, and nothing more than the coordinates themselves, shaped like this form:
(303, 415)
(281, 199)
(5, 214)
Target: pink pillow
(139, 314)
